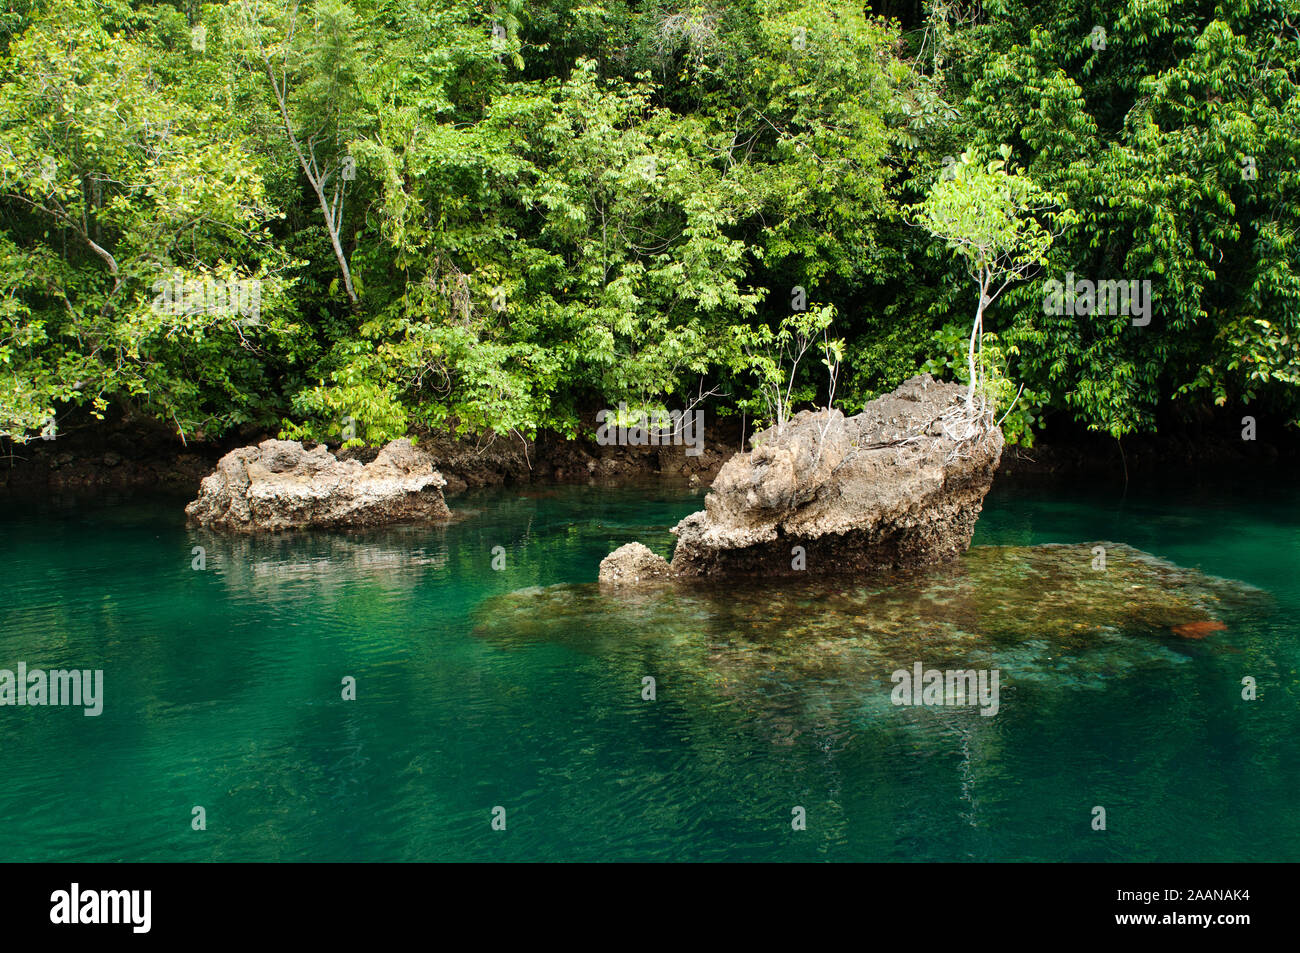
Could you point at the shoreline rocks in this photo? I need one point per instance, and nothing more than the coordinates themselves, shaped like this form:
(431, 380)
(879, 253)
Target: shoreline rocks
(897, 486)
(279, 485)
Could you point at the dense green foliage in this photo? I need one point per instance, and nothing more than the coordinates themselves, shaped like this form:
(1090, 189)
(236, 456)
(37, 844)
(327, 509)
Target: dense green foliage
(504, 216)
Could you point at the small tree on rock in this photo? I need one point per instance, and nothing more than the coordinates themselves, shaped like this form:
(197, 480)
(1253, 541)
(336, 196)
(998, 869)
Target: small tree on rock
(989, 214)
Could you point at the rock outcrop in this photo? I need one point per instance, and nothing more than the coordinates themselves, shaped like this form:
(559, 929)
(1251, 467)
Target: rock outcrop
(633, 564)
(897, 486)
(279, 485)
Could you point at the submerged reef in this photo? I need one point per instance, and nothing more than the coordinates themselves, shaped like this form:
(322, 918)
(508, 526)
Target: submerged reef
(1035, 612)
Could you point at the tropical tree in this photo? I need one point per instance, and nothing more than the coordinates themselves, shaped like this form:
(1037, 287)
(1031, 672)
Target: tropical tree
(1001, 225)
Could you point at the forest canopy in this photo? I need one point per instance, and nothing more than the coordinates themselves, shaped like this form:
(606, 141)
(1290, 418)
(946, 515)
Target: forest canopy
(362, 220)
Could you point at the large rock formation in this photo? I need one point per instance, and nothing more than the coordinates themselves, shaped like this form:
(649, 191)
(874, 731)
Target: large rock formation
(897, 486)
(279, 485)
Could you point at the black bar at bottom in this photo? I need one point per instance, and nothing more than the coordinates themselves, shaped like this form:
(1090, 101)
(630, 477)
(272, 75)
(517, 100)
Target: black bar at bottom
(333, 903)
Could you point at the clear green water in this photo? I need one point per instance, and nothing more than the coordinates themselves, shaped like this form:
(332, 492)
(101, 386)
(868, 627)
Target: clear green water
(223, 690)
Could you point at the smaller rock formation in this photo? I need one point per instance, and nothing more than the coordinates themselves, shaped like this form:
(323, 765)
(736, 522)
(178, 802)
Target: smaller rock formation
(279, 485)
(632, 564)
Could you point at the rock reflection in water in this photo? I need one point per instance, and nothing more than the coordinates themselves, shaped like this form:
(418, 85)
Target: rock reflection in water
(270, 567)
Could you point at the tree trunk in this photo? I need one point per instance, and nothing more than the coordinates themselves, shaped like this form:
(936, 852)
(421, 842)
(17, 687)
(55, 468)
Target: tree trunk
(331, 225)
(974, 336)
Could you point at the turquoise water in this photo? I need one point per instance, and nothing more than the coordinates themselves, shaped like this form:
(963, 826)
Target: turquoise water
(223, 689)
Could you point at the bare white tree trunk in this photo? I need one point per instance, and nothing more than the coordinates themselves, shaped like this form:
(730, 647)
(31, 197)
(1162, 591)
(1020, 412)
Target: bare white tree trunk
(976, 333)
(311, 169)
